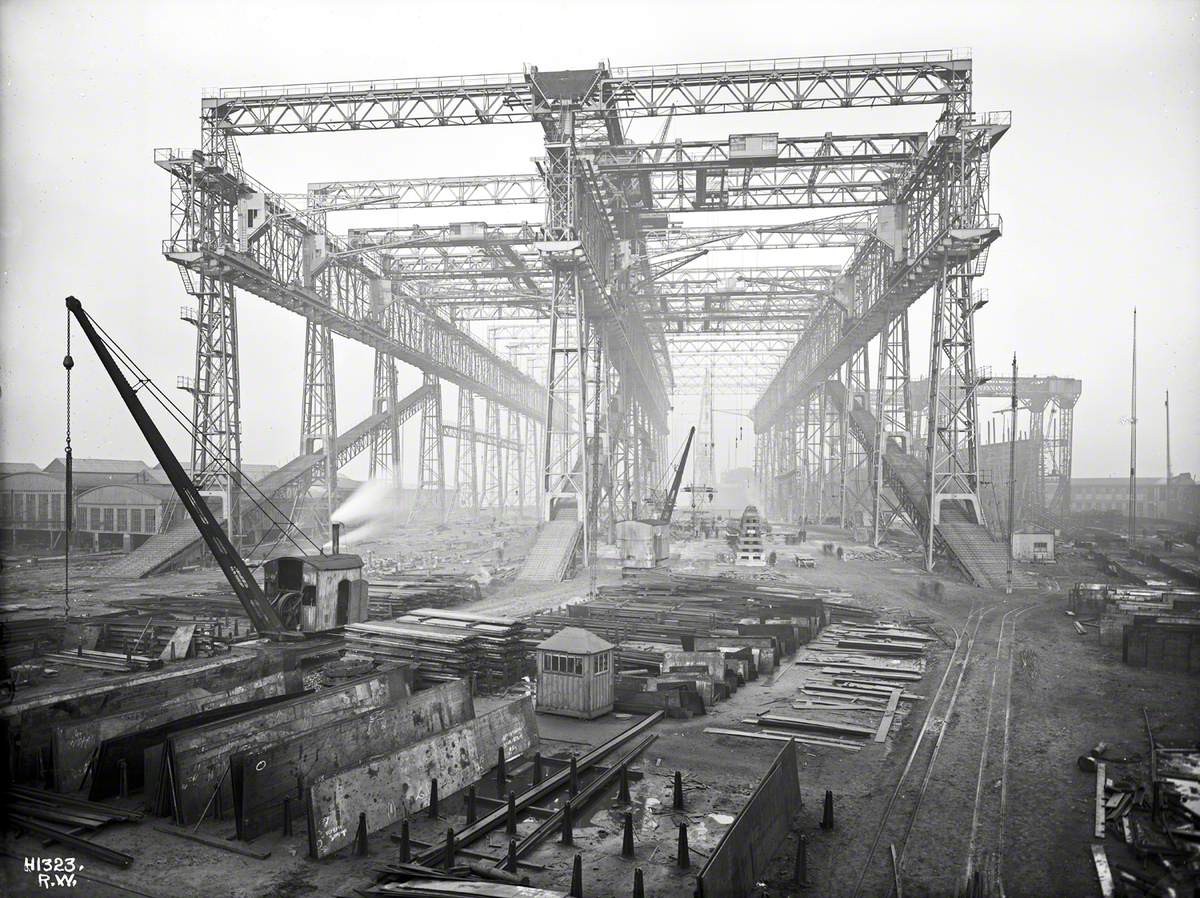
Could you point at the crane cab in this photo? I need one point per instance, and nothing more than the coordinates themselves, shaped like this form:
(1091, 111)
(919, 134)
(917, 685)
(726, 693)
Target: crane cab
(314, 593)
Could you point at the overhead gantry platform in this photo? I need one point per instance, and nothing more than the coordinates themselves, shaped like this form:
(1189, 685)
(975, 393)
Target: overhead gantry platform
(580, 316)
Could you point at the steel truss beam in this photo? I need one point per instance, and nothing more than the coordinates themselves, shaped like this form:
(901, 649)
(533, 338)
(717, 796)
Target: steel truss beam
(846, 230)
(767, 85)
(945, 223)
(350, 297)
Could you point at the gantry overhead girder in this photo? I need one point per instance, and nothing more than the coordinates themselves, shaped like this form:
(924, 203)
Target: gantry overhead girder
(882, 279)
(352, 297)
(848, 229)
(431, 241)
(766, 85)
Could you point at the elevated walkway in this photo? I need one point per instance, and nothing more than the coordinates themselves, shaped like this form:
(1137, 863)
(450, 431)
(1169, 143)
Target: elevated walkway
(550, 558)
(968, 544)
(182, 542)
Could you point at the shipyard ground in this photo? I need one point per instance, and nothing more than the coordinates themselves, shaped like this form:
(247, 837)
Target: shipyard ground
(1007, 724)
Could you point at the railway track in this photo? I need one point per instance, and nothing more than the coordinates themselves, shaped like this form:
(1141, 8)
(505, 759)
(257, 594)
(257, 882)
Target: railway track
(960, 754)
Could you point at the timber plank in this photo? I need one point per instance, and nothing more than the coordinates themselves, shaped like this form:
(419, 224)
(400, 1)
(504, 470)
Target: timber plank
(396, 785)
(198, 758)
(262, 777)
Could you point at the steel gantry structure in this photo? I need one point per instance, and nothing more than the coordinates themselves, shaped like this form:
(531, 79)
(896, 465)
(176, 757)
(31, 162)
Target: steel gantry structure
(599, 304)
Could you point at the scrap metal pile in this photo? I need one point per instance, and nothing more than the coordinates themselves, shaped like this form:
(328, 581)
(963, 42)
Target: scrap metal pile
(856, 676)
(1148, 831)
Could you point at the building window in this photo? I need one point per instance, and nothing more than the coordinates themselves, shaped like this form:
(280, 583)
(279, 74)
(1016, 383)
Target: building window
(563, 664)
(56, 509)
(5, 505)
(95, 518)
(18, 507)
(43, 506)
(150, 528)
(108, 518)
(602, 663)
(135, 520)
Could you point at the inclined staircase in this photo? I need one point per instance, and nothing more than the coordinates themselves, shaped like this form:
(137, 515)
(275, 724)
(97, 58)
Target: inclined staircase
(550, 558)
(182, 543)
(967, 543)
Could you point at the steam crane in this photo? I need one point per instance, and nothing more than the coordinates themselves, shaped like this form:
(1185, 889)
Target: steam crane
(305, 594)
(645, 544)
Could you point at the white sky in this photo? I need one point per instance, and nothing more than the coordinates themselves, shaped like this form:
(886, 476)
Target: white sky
(1097, 182)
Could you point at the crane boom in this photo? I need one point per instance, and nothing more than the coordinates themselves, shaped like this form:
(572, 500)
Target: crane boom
(258, 607)
(673, 493)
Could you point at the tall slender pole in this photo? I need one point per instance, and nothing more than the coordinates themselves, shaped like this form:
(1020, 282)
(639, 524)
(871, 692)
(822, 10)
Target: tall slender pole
(1167, 405)
(1012, 478)
(1133, 439)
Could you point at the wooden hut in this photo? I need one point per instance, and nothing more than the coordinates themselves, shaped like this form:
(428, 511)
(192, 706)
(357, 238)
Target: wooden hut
(575, 674)
(317, 592)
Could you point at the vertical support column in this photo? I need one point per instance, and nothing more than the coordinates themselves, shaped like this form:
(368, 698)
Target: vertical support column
(216, 410)
(492, 495)
(431, 480)
(893, 416)
(565, 472)
(1066, 426)
(516, 460)
(210, 220)
(385, 441)
(855, 470)
(318, 417)
(466, 471)
(1043, 459)
(951, 430)
(636, 460)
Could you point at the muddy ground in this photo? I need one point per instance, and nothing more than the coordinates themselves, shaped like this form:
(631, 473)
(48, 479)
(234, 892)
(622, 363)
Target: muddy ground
(1033, 811)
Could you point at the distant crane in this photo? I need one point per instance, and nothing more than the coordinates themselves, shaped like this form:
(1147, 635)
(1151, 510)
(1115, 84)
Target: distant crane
(645, 544)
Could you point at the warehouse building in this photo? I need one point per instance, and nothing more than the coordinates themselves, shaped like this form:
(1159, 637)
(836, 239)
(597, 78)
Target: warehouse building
(121, 515)
(32, 510)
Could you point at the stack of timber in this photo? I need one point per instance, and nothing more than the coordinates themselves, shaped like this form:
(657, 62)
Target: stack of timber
(21, 640)
(68, 821)
(154, 635)
(97, 660)
(394, 594)
(438, 653)
(503, 656)
(1154, 628)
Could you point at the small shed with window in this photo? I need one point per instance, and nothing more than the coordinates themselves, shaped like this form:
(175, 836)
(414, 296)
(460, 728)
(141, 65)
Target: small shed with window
(575, 674)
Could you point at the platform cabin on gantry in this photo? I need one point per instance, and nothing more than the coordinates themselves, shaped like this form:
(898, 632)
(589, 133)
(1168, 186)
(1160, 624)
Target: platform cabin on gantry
(575, 674)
